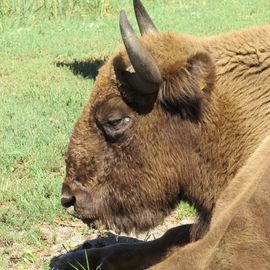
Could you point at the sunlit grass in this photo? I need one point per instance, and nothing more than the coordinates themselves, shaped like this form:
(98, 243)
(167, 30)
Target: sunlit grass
(49, 51)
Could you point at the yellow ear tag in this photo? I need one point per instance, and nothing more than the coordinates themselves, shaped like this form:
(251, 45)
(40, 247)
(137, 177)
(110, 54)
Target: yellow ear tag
(202, 86)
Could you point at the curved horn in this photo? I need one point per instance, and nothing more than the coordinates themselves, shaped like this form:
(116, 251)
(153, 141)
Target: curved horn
(145, 23)
(147, 77)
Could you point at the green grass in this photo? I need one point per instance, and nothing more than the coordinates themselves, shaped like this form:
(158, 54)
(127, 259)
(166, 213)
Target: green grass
(44, 47)
(185, 210)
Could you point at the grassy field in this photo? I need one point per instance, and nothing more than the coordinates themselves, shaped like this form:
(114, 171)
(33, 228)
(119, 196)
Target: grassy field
(49, 53)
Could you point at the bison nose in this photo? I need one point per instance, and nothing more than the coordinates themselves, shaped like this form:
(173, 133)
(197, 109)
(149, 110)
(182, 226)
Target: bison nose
(68, 201)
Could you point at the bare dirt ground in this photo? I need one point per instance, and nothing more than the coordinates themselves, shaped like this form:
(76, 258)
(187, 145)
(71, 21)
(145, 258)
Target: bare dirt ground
(64, 236)
(97, 238)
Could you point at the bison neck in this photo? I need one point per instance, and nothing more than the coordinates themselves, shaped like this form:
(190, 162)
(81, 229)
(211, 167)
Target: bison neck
(226, 142)
(239, 113)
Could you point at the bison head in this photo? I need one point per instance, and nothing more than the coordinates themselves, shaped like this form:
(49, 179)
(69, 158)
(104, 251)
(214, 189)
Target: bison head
(134, 147)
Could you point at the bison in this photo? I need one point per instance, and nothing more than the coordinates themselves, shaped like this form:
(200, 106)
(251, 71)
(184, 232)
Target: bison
(173, 117)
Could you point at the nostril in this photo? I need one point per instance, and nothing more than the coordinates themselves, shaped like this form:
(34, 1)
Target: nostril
(68, 201)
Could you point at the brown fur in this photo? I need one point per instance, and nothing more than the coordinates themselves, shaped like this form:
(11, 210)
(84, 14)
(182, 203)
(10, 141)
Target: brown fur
(186, 142)
(239, 231)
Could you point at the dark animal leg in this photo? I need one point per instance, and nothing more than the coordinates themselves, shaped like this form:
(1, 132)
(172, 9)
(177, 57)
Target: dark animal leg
(125, 256)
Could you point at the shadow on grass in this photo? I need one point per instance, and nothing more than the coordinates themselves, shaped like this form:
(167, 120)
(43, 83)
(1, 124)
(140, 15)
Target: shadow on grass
(86, 68)
(77, 255)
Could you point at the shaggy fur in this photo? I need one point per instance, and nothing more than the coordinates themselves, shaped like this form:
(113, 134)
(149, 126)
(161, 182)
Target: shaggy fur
(239, 231)
(131, 158)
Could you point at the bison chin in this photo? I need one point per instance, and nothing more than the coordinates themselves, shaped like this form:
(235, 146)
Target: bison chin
(113, 215)
(138, 222)
(114, 209)
(128, 213)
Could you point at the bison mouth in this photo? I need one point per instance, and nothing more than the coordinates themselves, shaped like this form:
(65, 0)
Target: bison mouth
(116, 218)
(92, 222)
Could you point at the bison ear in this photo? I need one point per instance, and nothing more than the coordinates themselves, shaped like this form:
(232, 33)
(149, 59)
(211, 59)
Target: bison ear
(186, 90)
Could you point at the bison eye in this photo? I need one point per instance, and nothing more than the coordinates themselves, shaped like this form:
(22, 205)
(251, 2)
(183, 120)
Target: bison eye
(114, 118)
(118, 122)
(114, 128)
